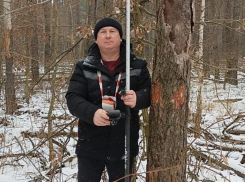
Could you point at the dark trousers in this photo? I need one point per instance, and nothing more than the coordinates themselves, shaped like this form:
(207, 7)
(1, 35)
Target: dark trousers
(90, 170)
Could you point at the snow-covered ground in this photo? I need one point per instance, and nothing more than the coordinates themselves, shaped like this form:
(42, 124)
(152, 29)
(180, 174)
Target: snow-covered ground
(24, 158)
(222, 111)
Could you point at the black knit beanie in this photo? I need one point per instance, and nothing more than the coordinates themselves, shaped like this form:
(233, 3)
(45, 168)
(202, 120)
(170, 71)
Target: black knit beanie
(107, 22)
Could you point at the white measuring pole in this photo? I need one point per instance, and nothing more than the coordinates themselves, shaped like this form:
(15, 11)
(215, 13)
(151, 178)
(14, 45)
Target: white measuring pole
(128, 45)
(127, 124)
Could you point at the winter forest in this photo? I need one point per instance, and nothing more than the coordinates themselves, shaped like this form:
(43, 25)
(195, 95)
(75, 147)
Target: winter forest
(193, 131)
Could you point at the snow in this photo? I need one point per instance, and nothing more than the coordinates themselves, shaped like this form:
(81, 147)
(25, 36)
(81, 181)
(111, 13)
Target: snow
(218, 114)
(7, 178)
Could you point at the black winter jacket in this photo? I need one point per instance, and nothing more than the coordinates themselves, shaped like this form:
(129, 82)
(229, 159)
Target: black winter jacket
(84, 99)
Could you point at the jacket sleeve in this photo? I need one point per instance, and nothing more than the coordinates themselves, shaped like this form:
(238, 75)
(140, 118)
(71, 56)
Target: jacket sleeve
(143, 92)
(76, 96)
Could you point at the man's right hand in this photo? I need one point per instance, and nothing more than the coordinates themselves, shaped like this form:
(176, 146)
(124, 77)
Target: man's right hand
(101, 118)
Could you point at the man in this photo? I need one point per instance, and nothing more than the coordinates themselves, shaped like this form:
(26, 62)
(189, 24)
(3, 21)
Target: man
(94, 89)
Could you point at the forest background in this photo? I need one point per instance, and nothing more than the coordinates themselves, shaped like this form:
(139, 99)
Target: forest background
(195, 53)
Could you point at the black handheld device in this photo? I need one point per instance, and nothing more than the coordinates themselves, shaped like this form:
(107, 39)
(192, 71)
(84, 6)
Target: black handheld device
(114, 116)
(123, 92)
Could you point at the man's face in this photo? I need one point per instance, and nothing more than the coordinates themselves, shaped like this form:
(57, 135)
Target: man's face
(108, 39)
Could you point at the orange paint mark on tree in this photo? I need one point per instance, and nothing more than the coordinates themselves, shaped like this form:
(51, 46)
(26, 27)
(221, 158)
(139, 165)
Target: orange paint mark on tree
(178, 98)
(156, 92)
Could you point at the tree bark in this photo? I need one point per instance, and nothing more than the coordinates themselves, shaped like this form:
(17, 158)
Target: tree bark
(1, 57)
(51, 107)
(34, 44)
(10, 97)
(230, 42)
(170, 94)
(198, 116)
(47, 21)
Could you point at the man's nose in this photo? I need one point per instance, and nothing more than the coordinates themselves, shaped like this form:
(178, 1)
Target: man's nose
(108, 34)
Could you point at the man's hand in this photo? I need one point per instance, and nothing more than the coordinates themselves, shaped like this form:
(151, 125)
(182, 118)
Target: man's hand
(101, 118)
(129, 98)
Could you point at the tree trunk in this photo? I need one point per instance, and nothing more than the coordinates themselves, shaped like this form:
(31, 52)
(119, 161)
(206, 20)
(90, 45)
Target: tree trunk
(34, 45)
(10, 97)
(51, 107)
(27, 64)
(47, 51)
(198, 116)
(170, 94)
(219, 32)
(230, 44)
(1, 57)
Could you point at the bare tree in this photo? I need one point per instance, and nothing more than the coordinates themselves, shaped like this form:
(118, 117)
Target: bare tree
(51, 107)
(1, 48)
(170, 95)
(11, 104)
(231, 62)
(34, 43)
(47, 21)
(198, 116)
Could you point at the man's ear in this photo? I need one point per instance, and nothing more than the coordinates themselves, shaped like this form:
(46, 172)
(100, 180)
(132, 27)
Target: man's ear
(96, 41)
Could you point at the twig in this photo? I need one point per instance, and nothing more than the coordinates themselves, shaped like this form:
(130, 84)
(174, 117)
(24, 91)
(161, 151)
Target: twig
(63, 54)
(235, 120)
(199, 154)
(28, 157)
